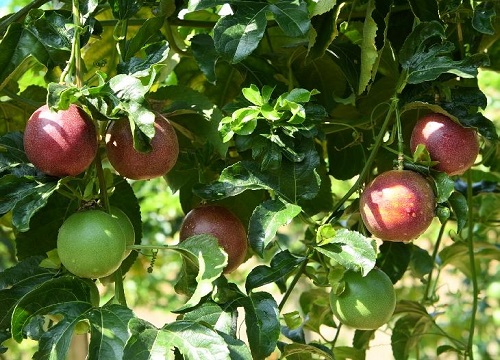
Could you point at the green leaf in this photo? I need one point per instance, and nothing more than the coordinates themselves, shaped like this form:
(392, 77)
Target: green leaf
(193, 340)
(266, 219)
(321, 6)
(296, 349)
(458, 203)
(369, 53)
(416, 42)
(57, 291)
(12, 155)
(394, 258)
(206, 56)
(292, 17)
(212, 314)
(44, 225)
(238, 350)
(282, 265)
(238, 35)
(262, 320)
(108, 331)
(345, 352)
(457, 255)
(44, 36)
(155, 56)
(315, 304)
(125, 9)
(24, 196)
(407, 333)
(444, 186)
(147, 33)
(348, 248)
(253, 95)
(421, 263)
(323, 32)
(204, 253)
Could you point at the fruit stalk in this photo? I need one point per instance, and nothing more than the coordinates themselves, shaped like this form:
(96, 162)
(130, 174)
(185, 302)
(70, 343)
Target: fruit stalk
(475, 289)
(76, 51)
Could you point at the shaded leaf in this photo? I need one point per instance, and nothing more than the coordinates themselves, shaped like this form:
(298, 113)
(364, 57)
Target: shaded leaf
(457, 255)
(394, 258)
(426, 10)
(295, 349)
(205, 55)
(407, 333)
(421, 262)
(458, 203)
(282, 264)
(291, 16)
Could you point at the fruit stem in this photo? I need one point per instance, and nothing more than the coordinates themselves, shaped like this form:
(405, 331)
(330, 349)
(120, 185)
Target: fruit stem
(401, 155)
(76, 51)
(434, 256)
(376, 146)
(119, 291)
(475, 290)
(294, 280)
(103, 191)
(337, 333)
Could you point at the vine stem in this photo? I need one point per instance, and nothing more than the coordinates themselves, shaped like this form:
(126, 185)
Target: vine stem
(434, 256)
(76, 43)
(294, 280)
(401, 155)
(378, 142)
(475, 289)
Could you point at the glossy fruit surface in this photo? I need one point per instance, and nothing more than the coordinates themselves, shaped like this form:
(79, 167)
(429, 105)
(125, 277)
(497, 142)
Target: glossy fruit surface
(62, 143)
(224, 225)
(366, 302)
(454, 146)
(126, 226)
(91, 244)
(397, 205)
(136, 165)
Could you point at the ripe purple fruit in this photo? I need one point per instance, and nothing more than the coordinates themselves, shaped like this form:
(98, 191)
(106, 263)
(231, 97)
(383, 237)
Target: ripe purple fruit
(62, 143)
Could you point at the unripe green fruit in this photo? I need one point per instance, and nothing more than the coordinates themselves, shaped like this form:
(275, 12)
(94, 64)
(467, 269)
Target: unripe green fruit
(91, 244)
(62, 143)
(397, 205)
(366, 302)
(454, 146)
(126, 226)
(136, 165)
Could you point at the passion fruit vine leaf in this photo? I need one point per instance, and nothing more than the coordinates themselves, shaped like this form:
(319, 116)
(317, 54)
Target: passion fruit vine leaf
(204, 261)
(350, 249)
(265, 221)
(282, 265)
(193, 340)
(42, 299)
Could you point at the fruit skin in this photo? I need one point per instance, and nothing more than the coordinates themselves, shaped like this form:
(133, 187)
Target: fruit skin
(91, 244)
(366, 302)
(398, 205)
(224, 225)
(454, 146)
(136, 165)
(62, 143)
(126, 226)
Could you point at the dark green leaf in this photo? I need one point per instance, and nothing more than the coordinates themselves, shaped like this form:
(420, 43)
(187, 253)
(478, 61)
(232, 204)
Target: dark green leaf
(315, 303)
(238, 35)
(194, 5)
(416, 42)
(346, 153)
(44, 226)
(447, 348)
(282, 264)
(238, 350)
(325, 32)
(24, 196)
(458, 203)
(426, 10)
(394, 258)
(292, 17)
(145, 67)
(205, 55)
(362, 338)
(67, 289)
(421, 263)
(484, 15)
(12, 152)
(345, 352)
(108, 331)
(349, 248)
(263, 326)
(407, 333)
(266, 219)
